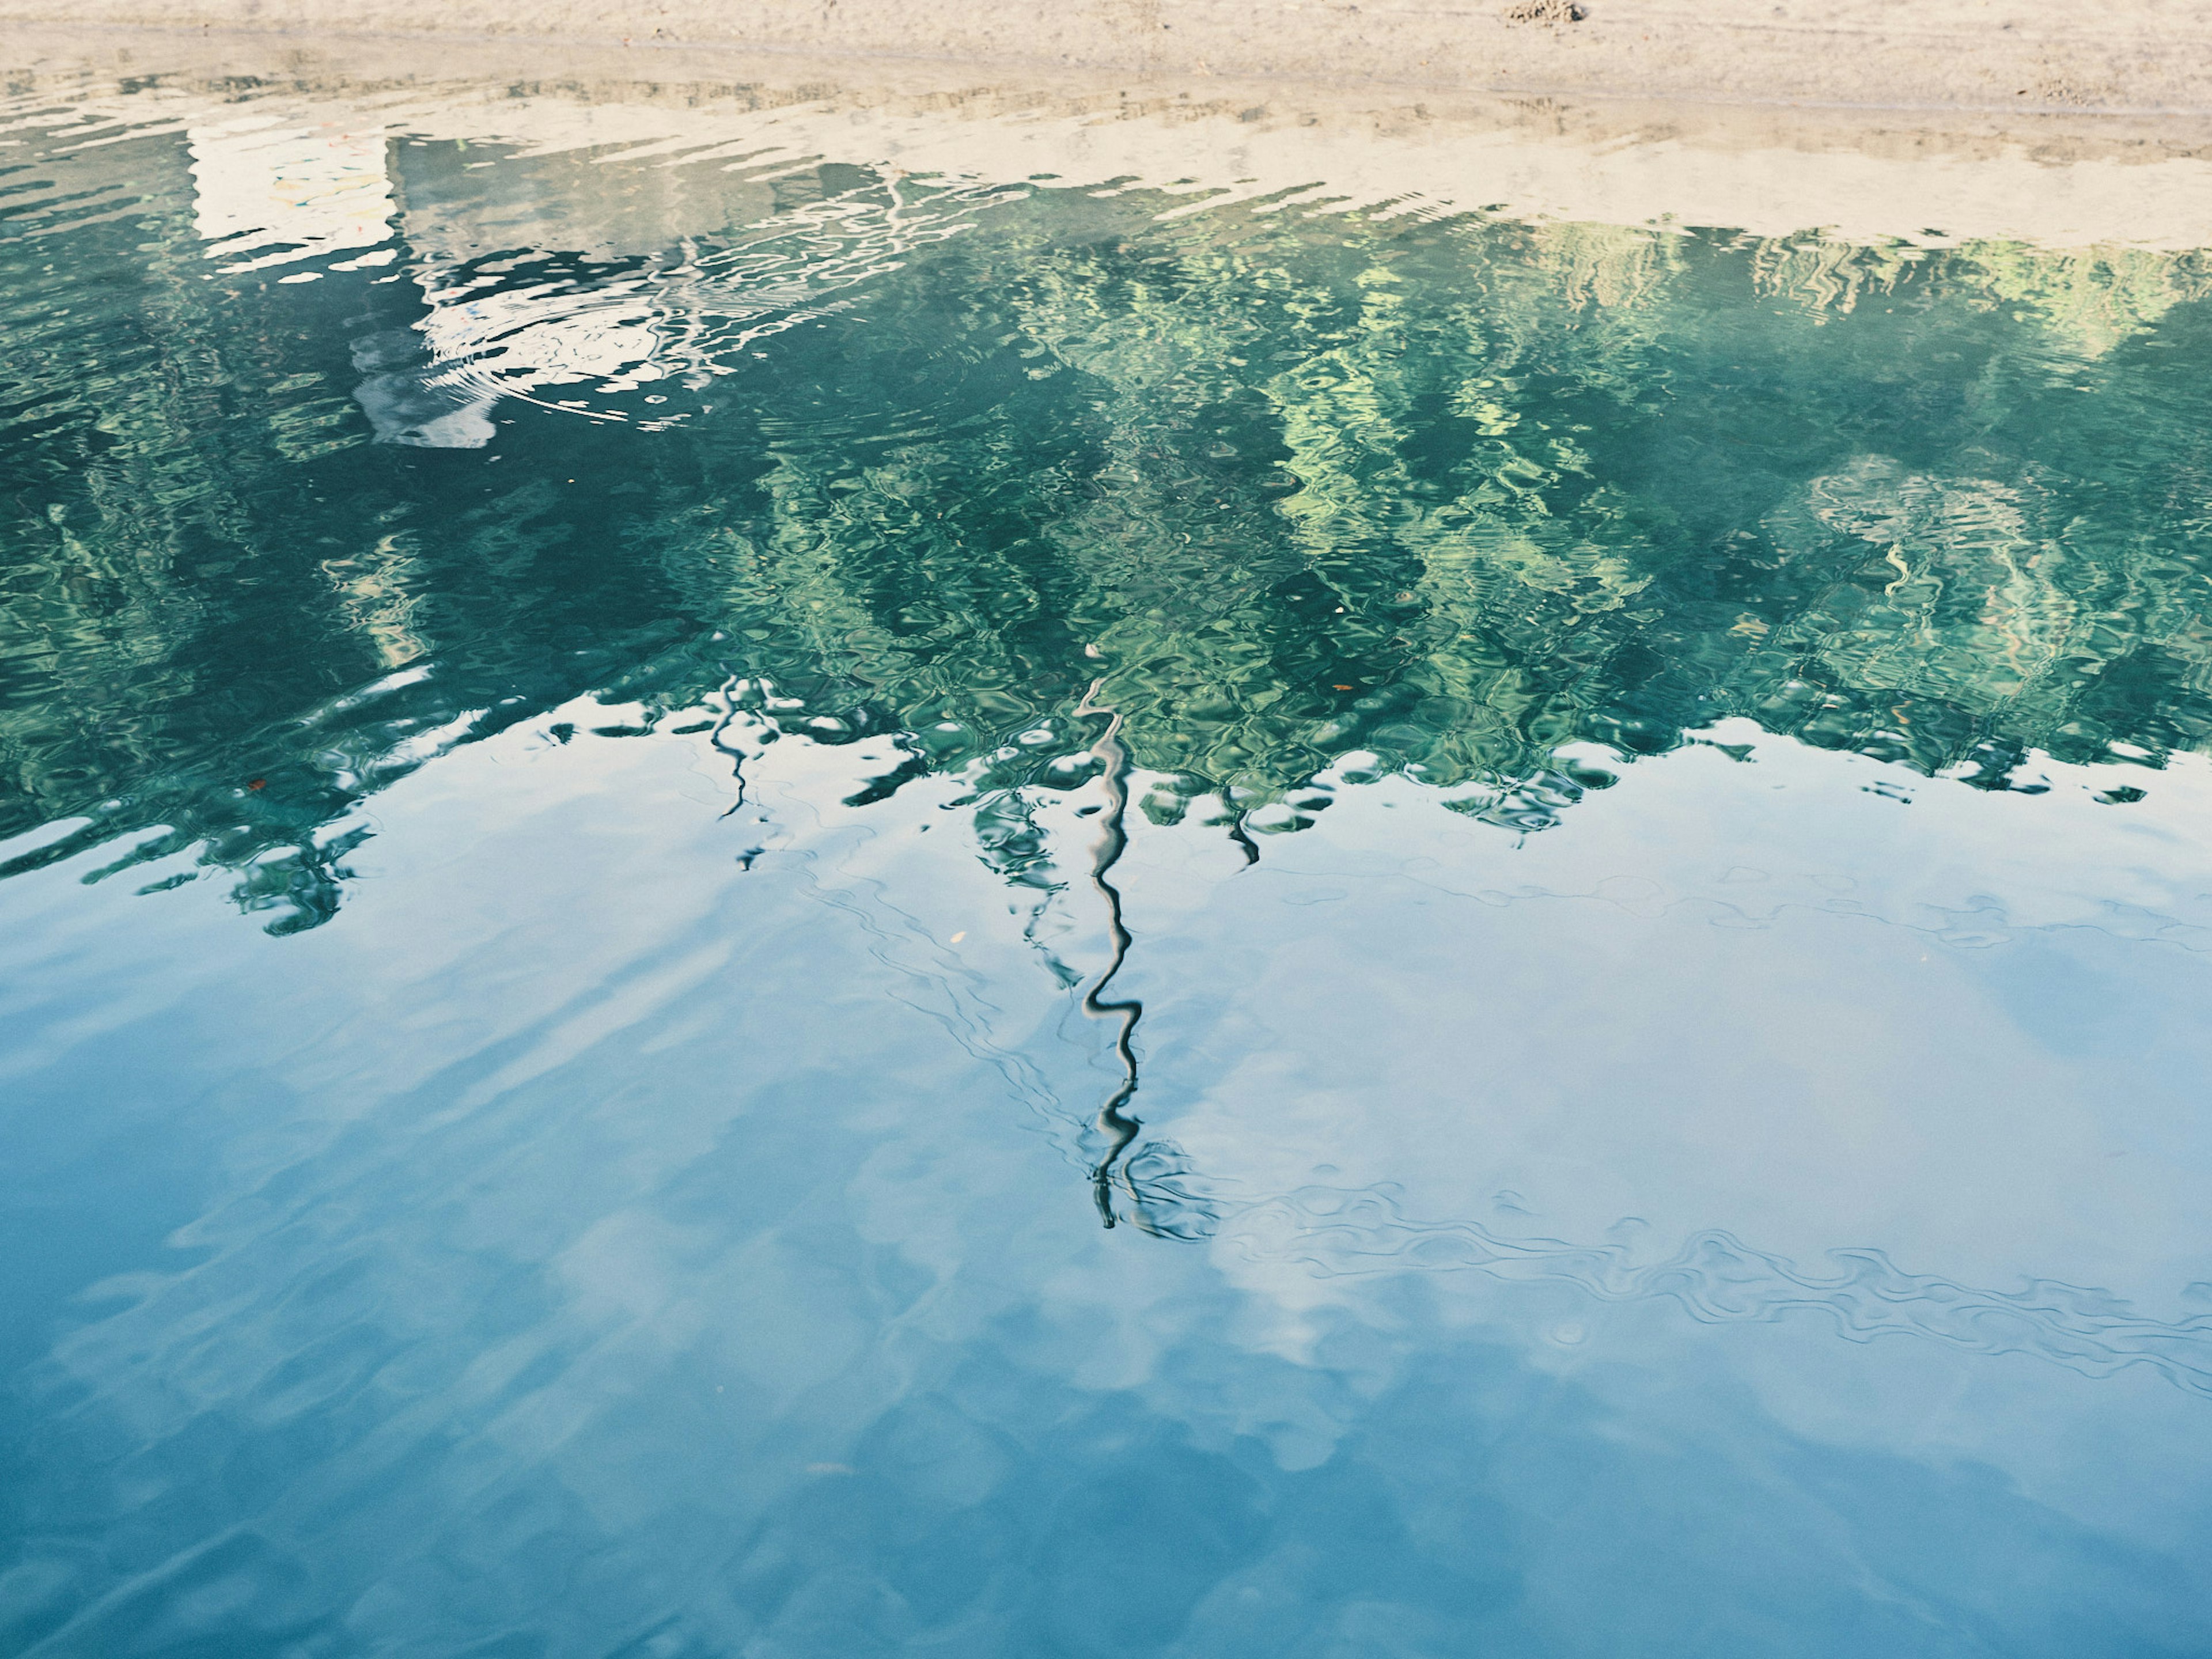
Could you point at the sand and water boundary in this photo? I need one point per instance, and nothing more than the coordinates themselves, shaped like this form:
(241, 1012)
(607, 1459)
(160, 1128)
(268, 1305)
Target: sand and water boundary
(1862, 120)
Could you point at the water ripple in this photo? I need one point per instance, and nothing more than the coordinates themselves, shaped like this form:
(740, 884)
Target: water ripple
(1717, 1279)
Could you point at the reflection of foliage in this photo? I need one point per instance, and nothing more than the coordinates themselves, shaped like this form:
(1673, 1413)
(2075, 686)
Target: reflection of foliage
(2089, 301)
(1452, 495)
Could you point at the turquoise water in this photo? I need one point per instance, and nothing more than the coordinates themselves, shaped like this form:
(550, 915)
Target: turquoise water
(758, 905)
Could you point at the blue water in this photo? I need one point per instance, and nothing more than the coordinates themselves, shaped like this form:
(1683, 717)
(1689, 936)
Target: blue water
(755, 906)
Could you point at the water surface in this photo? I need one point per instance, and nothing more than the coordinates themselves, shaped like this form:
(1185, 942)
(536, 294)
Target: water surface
(758, 905)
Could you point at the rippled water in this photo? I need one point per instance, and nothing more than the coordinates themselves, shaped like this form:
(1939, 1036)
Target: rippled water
(758, 904)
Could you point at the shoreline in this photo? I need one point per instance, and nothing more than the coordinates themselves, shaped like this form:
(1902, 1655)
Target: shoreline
(2062, 177)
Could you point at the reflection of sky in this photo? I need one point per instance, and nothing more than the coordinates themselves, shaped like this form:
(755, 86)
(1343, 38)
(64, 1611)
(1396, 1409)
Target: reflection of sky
(1766, 995)
(628, 1240)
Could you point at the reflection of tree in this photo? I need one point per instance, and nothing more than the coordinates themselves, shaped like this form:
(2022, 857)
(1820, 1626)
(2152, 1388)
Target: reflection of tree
(1161, 1201)
(1116, 1121)
(1453, 495)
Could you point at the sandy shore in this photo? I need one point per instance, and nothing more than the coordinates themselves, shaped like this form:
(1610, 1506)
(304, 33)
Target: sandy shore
(2135, 56)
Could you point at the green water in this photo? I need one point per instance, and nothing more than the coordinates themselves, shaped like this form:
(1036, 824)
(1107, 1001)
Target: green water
(1292, 485)
(1587, 841)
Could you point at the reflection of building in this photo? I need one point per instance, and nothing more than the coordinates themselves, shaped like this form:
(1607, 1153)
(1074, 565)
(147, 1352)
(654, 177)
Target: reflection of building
(168, 487)
(604, 289)
(268, 190)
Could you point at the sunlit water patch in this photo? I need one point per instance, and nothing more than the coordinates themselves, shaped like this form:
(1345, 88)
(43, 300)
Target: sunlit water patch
(758, 903)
